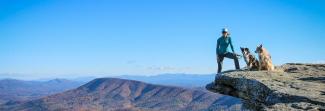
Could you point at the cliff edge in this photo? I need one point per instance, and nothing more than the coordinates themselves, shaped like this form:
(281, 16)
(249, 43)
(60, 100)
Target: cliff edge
(297, 87)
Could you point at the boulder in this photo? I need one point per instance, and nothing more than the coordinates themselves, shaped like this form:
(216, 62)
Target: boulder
(292, 86)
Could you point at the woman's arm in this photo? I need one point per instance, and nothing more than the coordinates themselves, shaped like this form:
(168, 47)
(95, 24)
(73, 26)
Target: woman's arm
(217, 48)
(232, 47)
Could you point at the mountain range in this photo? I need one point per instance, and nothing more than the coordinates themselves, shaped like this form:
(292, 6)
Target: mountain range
(12, 90)
(123, 94)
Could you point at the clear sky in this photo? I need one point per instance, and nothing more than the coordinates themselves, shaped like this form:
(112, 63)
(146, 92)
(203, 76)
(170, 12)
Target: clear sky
(72, 38)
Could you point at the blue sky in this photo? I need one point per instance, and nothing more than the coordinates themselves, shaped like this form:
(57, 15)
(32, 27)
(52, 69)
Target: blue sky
(72, 38)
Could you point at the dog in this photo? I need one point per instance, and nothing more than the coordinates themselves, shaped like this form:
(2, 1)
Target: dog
(265, 61)
(251, 61)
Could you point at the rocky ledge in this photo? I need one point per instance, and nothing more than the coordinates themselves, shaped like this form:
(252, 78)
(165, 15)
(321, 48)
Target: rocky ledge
(293, 87)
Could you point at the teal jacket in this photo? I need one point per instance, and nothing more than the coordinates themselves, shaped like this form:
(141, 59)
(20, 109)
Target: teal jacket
(222, 45)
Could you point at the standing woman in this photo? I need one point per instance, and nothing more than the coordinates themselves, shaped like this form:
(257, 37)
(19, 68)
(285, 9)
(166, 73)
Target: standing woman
(222, 50)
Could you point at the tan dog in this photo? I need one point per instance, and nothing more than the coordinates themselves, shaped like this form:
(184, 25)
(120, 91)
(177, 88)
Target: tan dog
(264, 59)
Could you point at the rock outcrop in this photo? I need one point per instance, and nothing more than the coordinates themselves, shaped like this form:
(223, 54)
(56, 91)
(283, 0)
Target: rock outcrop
(295, 87)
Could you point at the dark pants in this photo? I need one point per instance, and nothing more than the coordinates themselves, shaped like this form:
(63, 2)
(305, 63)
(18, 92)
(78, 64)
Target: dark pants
(227, 55)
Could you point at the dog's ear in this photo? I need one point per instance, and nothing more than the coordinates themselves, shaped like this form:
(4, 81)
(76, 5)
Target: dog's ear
(257, 49)
(242, 49)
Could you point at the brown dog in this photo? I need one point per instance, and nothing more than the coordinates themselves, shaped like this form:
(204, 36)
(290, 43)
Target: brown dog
(264, 59)
(251, 61)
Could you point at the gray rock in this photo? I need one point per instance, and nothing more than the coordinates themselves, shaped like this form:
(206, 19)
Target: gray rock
(292, 86)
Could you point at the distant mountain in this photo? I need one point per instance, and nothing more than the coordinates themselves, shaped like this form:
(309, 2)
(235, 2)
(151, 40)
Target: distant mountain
(182, 80)
(12, 90)
(122, 94)
(84, 79)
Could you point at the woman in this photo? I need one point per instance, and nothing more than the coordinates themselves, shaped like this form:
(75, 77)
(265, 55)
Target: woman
(222, 50)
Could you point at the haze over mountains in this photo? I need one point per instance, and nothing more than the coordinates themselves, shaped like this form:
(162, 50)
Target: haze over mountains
(182, 80)
(12, 90)
(177, 79)
(122, 94)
